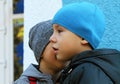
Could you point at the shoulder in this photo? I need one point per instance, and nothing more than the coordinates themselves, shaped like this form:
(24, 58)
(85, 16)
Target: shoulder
(84, 71)
(85, 68)
(22, 80)
(88, 73)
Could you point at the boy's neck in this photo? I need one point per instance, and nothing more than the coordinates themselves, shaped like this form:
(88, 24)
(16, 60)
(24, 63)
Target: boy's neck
(46, 70)
(85, 48)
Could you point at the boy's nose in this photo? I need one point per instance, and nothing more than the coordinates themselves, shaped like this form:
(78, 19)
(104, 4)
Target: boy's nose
(52, 39)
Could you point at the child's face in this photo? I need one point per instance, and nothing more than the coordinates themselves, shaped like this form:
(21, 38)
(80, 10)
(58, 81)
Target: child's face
(65, 43)
(49, 60)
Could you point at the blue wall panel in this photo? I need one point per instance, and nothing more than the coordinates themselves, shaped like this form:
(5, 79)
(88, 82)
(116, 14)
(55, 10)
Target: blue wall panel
(111, 9)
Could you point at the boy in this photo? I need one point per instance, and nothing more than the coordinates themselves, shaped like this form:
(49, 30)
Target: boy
(78, 29)
(49, 67)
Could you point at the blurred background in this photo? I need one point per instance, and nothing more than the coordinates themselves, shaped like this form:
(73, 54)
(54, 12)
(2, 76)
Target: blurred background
(11, 40)
(18, 16)
(18, 24)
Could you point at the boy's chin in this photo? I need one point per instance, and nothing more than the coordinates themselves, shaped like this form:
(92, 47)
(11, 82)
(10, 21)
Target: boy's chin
(62, 58)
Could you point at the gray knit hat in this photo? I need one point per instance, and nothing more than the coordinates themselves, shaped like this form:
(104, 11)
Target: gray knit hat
(39, 37)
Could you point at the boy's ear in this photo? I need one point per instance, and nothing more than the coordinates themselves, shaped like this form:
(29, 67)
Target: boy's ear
(83, 41)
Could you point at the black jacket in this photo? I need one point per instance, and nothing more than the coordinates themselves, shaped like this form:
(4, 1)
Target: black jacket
(101, 66)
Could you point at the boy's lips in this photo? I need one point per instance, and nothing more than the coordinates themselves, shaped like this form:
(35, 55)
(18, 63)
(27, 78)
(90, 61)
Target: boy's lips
(55, 50)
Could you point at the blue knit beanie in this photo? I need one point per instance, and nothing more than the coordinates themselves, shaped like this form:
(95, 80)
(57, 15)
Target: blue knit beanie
(84, 19)
(39, 37)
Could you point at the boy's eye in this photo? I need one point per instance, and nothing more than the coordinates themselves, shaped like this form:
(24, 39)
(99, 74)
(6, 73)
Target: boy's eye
(59, 31)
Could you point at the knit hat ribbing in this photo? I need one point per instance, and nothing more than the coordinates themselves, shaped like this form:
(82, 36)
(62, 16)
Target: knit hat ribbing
(84, 19)
(39, 37)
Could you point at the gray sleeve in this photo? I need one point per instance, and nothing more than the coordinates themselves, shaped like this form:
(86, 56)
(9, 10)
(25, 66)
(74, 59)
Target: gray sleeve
(22, 80)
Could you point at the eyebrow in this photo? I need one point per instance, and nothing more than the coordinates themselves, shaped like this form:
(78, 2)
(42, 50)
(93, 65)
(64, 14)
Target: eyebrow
(56, 27)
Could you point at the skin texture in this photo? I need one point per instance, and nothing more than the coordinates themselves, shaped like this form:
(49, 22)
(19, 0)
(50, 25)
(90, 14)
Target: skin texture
(66, 44)
(49, 64)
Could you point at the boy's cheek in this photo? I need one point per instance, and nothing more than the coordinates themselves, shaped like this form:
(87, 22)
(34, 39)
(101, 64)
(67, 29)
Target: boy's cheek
(60, 57)
(63, 57)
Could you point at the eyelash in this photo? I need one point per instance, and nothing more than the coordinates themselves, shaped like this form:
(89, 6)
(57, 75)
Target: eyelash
(59, 31)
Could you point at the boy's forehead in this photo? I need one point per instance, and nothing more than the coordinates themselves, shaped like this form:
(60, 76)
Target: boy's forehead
(56, 26)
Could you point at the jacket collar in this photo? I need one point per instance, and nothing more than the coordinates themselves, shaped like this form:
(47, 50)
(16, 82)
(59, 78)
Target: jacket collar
(93, 53)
